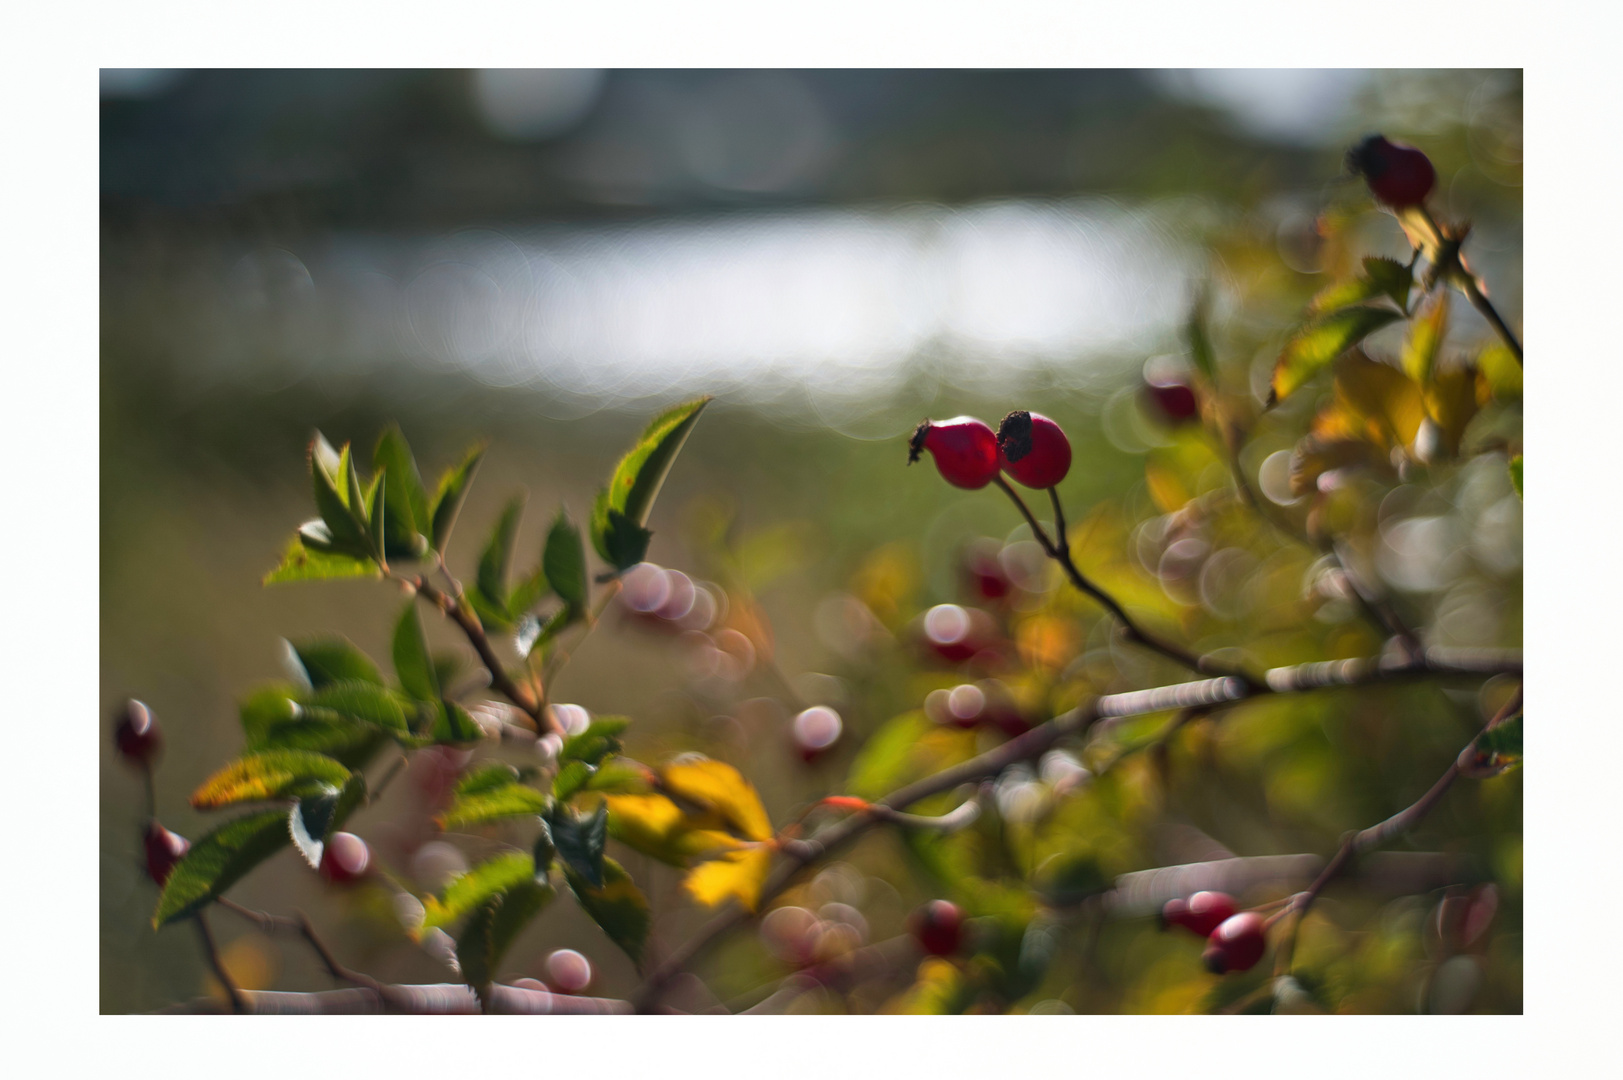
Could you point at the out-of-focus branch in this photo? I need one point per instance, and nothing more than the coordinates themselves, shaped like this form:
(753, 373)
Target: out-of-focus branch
(1449, 265)
(1061, 553)
(474, 631)
(431, 999)
(798, 854)
(236, 996)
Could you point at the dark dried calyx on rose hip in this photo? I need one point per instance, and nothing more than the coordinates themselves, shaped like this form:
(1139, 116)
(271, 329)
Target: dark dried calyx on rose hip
(1014, 435)
(915, 443)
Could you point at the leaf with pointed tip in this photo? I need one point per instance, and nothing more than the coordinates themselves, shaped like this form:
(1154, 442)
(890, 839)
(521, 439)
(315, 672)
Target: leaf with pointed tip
(601, 738)
(273, 720)
(363, 701)
(346, 528)
(617, 906)
(469, 890)
(508, 801)
(218, 861)
(1390, 278)
(721, 788)
(572, 776)
(279, 774)
(580, 840)
(448, 499)
(406, 505)
(312, 821)
(492, 929)
(564, 563)
(301, 562)
(489, 777)
(330, 660)
(1426, 333)
(624, 543)
(1320, 342)
(738, 874)
(412, 664)
(376, 516)
(496, 560)
(639, 475)
(452, 724)
(527, 593)
(1200, 342)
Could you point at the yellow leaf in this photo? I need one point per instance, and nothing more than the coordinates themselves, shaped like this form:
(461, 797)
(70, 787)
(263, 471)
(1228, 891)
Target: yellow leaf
(656, 826)
(1321, 341)
(1499, 376)
(1426, 334)
(739, 874)
(1165, 487)
(718, 786)
(1451, 402)
(1388, 400)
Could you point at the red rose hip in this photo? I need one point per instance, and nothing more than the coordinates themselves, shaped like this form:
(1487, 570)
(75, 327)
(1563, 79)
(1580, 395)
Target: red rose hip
(1032, 449)
(136, 733)
(345, 858)
(1172, 403)
(163, 850)
(938, 927)
(1397, 175)
(1236, 945)
(1201, 913)
(964, 448)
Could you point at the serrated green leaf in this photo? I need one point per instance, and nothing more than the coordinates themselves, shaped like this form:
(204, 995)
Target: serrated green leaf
(1321, 341)
(496, 560)
(1390, 278)
(452, 724)
(346, 527)
(564, 563)
(624, 543)
(492, 929)
(1516, 474)
(300, 562)
(218, 861)
(510, 800)
(279, 774)
(616, 905)
(406, 503)
(615, 776)
(273, 720)
(478, 885)
(330, 660)
(363, 701)
(572, 776)
(452, 490)
(412, 664)
(580, 841)
(485, 778)
(601, 738)
(637, 479)
(312, 821)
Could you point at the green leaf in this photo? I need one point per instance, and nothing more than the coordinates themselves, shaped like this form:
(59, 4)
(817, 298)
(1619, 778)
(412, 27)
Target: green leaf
(492, 929)
(624, 543)
(527, 593)
(1320, 342)
(279, 774)
(335, 492)
(1200, 342)
(1426, 333)
(448, 499)
(617, 777)
(478, 885)
(616, 905)
(886, 759)
(1381, 277)
(637, 479)
(485, 778)
(273, 720)
(406, 503)
(363, 701)
(218, 861)
(1516, 474)
(330, 660)
(564, 563)
(510, 800)
(571, 778)
(497, 558)
(300, 562)
(312, 821)
(452, 724)
(376, 516)
(601, 738)
(580, 840)
(412, 664)
(1503, 740)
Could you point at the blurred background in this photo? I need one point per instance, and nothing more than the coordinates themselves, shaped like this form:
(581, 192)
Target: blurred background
(545, 258)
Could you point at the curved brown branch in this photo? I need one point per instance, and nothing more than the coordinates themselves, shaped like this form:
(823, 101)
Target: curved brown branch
(431, 999)
(474, 631)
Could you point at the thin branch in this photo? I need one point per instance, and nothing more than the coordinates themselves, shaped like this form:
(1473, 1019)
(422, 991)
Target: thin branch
(1451, 266)
(799, 854)
(1061, 553)
(464, 617)
(431, 999)
(238, 1002)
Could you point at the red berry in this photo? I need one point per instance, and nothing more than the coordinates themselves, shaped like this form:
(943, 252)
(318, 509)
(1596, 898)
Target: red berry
(939, 927)
(964, 448)
(137, 733)
(345, 858)
(1236, 945)
(1397, 175)
(1174, 403)
(985, 572)
(1201, 913)
(1033, 450)
(164, 849)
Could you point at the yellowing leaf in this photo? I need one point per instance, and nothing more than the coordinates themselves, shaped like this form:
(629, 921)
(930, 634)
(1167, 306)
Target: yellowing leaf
(279, 774)
(1426, 334)
(1451, 403)
(1320, 342)
(1388, 400)
(739, 874)
(1499, 375)
(718, 786)
(1165, 487)
(656, 826)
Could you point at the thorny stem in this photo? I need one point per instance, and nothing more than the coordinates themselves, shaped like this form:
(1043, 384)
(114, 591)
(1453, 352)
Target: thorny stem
(1205, 693)
(1061, 553)
(1452, 268)
(1376, 835)
(238, 1003)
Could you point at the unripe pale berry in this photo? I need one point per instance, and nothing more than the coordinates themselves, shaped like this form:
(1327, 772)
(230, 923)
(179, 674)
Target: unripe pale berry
(814, 731)
(136, 733)
(163, 850)
(1397, 175)
(1236, 945)
(569, 971)
(1032, 449)
(939, 927)
(1201, 913)
(964, 448)
(345, 858)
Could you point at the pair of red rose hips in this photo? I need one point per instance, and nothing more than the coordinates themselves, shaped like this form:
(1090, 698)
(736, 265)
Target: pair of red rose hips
(1028, 446)
(1234, 941)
